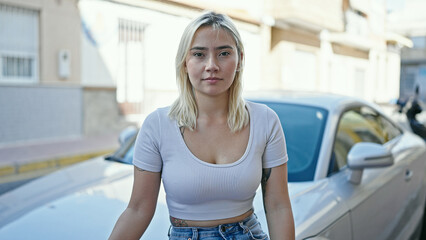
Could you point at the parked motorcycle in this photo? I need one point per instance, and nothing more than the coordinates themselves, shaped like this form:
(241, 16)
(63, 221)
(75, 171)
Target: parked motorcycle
(412, 108)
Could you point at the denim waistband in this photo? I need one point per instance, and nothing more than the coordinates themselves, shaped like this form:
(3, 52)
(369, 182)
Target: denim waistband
(223, 230)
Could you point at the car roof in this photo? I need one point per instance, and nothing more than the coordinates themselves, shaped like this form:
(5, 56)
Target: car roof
(328, 101)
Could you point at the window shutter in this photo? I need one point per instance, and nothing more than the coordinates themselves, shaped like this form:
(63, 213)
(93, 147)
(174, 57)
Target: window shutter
(19, 44)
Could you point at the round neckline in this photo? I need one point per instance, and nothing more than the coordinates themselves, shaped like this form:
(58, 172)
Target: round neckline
(238, 161)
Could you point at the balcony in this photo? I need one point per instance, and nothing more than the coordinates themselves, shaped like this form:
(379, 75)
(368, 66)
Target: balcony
(311, 15)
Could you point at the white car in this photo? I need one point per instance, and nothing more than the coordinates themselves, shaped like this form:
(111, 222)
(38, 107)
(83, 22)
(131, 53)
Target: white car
(353, 174)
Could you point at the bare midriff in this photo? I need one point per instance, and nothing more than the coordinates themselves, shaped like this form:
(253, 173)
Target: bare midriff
(176, 222)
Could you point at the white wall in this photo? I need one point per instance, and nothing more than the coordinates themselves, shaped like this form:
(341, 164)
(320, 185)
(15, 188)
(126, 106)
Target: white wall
(102, 60)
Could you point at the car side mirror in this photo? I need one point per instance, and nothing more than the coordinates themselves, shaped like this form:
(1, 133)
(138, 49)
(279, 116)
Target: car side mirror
(367, 155)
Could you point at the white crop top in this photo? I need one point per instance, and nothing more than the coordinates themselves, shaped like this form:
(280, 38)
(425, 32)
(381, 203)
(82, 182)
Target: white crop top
(197, 190)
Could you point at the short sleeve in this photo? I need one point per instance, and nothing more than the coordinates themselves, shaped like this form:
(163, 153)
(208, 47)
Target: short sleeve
(147, 152)
(276, 150)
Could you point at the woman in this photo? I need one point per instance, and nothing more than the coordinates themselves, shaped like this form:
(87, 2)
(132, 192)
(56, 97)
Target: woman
(211, 148)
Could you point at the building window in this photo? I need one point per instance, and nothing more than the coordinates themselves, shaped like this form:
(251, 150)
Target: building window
(17, 66)
(408, 82)
(19, 44)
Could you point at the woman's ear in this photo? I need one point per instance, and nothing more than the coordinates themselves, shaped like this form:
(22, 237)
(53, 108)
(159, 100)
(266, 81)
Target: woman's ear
(240, 61)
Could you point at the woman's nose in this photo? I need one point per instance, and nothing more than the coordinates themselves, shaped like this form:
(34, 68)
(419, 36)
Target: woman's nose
(211, 65)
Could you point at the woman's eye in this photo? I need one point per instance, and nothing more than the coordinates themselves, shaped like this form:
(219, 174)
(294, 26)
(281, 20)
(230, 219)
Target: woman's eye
(224, 54)
(197, 54)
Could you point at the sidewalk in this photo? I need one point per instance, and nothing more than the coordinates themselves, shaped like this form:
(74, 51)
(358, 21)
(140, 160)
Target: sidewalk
(30, 160)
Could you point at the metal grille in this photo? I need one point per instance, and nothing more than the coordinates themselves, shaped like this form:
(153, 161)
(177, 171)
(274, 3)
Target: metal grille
(130, 31)
(17, 66)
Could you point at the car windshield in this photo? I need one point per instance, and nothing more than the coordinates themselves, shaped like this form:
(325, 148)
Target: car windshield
(303, 127)
(125, 153)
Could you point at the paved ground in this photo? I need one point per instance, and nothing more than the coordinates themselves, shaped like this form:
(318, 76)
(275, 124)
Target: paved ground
(24, 161)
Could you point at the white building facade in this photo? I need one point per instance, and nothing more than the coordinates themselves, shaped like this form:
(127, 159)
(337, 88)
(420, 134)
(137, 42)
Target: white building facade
(79, 67)
(343, 48)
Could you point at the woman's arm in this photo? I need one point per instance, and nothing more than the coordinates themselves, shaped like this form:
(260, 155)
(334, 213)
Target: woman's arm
(138, 214)
(277, 203)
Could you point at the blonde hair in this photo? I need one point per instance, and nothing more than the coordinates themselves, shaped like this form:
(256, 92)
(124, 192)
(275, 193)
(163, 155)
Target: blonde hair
(184, 110)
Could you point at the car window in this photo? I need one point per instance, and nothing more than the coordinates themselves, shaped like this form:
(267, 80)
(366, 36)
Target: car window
(390, 130)
(360, 124)
(303, 128)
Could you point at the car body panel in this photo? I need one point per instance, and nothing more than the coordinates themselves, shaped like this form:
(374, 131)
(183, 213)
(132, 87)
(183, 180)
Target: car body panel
(105, 194)
(387, 198)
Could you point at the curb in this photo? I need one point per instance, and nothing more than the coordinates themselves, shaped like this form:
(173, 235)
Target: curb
(49, 164)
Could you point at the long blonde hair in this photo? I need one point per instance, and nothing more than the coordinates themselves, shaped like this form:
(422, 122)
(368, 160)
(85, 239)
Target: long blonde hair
(184, 110)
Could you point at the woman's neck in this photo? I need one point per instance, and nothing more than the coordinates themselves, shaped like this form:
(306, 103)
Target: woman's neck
(212, 107)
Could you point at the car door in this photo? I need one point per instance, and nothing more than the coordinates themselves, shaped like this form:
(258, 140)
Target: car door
(378, 203)
(410, 149)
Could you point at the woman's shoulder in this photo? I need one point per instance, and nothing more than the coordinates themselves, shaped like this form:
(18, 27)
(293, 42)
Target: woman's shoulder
(257, 108)
(158, 115)
(159, 112)
(163, 111)
(261, 113)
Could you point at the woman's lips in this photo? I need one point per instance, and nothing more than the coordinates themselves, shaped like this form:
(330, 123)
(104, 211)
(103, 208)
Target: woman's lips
(212, 79)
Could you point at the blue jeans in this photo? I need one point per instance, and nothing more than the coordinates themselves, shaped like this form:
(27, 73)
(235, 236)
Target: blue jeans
(248, 229)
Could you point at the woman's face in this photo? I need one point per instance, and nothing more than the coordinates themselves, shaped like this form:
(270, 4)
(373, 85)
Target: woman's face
(212, 61)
